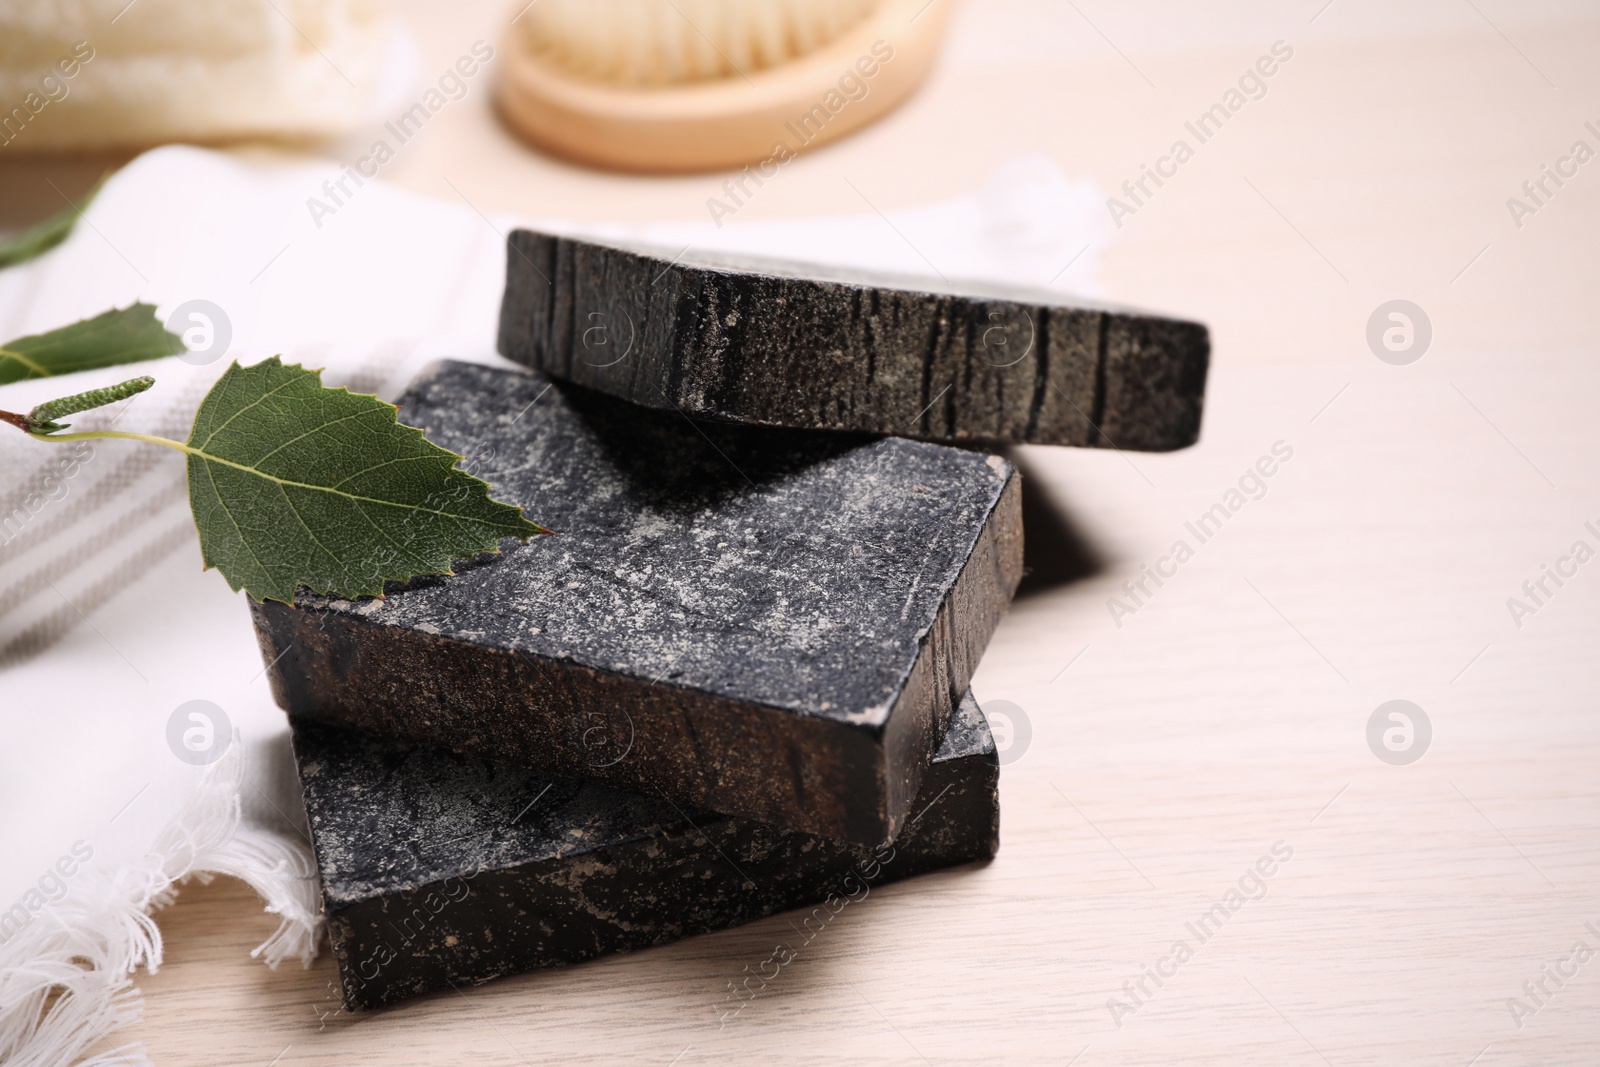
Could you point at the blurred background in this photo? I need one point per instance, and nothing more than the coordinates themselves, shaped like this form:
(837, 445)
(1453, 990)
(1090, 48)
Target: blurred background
(1391, 141)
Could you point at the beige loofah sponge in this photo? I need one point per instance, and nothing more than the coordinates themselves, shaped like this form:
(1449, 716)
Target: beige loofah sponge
(108, 74)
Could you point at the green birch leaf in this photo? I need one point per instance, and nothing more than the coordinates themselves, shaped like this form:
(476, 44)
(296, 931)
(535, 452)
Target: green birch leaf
(36, 240)
(293, 483)
(129, 335)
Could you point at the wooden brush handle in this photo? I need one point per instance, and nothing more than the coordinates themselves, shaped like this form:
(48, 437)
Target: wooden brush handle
(732, 121)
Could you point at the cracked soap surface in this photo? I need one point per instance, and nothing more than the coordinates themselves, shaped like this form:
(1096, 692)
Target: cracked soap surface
(793, 569)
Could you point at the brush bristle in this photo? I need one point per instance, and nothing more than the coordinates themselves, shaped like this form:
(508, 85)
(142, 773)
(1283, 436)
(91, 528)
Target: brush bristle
(668, 42)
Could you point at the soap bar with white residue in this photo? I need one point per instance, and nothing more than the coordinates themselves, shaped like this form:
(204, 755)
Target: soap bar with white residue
(763, 623)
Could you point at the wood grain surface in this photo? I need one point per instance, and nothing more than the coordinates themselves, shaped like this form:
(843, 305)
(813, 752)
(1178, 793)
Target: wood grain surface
(1219, 715)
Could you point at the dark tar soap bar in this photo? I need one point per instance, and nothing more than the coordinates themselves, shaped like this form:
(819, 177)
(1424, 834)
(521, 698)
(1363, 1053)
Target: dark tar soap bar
(782, 345)
(764, 623)
(440, 869)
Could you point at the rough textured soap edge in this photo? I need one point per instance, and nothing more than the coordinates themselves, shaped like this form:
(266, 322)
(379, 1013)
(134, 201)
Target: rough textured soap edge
(322, 671)
(318, 667)
(1142, 386)
(950, 654)
(362, 931)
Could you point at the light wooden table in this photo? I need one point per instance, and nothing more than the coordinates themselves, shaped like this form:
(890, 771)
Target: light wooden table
(1229, 712)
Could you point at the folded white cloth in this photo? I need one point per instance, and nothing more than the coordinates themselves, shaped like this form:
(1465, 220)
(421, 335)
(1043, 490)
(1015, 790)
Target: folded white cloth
(108, 627)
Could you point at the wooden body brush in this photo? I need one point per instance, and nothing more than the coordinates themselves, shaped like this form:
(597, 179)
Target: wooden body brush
(694, 85)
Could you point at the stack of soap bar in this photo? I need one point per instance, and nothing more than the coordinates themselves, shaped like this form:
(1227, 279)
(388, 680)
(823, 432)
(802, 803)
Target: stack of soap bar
(771, 343)
(735, 681)
(441, 869)
(763, 623)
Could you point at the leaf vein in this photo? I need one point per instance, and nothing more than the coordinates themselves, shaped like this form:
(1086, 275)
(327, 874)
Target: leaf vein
(385, 463)
(207, 457)
(243, 540)
(298, 518)
(25, 361)
(315, 429)
(258, 400)
(404, 550)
